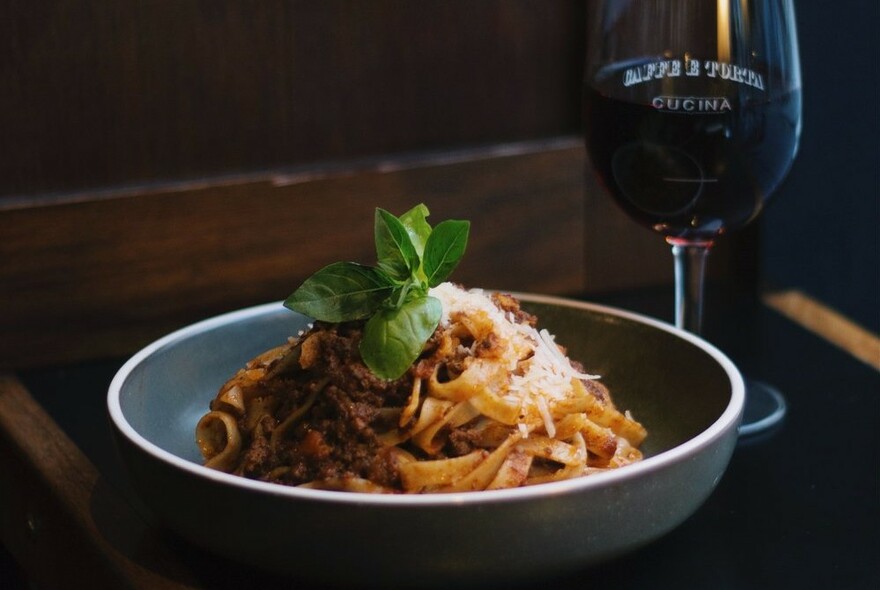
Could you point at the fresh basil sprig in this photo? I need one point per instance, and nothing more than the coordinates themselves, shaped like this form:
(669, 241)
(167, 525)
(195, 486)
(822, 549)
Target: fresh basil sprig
(392, 296)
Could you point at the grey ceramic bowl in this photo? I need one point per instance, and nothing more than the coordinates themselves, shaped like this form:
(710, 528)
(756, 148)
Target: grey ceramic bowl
(687, 394)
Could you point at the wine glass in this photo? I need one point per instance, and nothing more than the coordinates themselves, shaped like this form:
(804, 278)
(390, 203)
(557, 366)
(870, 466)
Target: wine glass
(692, 113)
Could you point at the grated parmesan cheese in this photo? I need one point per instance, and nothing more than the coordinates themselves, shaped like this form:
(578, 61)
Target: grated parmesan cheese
(548, 374)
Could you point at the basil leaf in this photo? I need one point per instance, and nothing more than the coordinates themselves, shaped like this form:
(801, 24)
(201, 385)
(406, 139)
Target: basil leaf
(394, 338)
(417, 226)
(342, 291)
(393, 295)
(444, 249)
(395, 251)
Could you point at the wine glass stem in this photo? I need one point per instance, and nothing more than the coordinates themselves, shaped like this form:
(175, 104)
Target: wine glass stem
(690, 270)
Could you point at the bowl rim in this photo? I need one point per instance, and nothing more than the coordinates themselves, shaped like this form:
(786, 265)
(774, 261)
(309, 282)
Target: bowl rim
(726, 422)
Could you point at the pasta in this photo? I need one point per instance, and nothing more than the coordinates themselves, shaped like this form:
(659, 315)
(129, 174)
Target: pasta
(492, 402)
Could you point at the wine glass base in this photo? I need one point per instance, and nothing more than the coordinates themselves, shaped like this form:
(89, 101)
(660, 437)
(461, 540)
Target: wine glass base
(765, 407)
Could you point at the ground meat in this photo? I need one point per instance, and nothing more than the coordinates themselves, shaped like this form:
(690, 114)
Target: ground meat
(335, 437)
(461, 442)
(258, 458)
(510, 304)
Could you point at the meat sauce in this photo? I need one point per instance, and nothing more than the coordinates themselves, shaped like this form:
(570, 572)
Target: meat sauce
(336, 439)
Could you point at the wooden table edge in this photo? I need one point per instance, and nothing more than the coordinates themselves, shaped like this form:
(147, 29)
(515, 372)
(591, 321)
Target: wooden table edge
(59, 519)
(827, 323)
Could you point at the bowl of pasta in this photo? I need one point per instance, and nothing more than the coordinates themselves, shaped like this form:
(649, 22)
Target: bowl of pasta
(533, 435)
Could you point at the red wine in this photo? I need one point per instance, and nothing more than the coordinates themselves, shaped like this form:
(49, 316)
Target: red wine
(689, 167)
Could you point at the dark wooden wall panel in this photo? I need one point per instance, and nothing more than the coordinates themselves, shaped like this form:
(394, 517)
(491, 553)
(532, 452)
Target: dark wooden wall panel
(101, 277)
(100, 94)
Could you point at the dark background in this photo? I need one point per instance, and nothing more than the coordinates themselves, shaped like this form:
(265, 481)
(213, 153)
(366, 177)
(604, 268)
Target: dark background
(133, 96)
(820, 233)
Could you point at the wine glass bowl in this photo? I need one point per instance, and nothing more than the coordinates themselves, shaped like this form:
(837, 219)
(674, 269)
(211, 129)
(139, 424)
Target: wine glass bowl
(692, 113)
(686, 175)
